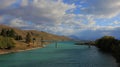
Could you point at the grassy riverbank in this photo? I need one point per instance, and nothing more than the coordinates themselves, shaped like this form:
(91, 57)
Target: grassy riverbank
(22, 46)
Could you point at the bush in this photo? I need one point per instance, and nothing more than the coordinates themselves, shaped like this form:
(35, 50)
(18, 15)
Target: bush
(8, 33)
(6, 43)
(28, 38)
(3, 32)
(18, 37)
(116, 53)
(107, 43)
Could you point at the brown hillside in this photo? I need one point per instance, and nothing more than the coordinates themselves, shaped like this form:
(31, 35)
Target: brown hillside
(35, 34)
(21, 45)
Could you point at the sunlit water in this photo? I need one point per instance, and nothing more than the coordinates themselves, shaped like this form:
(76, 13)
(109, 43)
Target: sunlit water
(66, 55)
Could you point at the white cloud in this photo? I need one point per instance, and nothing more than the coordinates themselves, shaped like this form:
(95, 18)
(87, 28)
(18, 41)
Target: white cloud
(17, 23)
(102, 8)
(41, 11)
(24, 3)
(116, 22)
(6, 3)
(47, 15)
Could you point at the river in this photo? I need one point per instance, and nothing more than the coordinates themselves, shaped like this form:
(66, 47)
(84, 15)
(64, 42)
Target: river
(66, 55)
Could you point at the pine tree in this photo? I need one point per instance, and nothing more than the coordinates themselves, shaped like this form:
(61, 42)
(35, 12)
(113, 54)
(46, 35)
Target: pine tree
(6, 43)
(11, 33)
(18, 37)
(8, 33)
(28, 38)
(3, 32)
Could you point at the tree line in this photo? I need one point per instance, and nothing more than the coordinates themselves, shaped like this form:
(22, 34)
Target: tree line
(10, 33)
(7, 37)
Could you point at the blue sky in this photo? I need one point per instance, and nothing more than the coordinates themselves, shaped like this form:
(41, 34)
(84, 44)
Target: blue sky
(81, 19)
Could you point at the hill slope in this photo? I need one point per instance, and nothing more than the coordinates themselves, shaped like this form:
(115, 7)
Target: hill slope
(34, 33)
(21, 45)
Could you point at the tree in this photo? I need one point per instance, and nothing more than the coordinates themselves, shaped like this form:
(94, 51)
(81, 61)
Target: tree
(3, 32)
(106, 43)
(34, 39)
(6, 43)
(18, 37)
(28, 38)
(11, 33)
(8, 33)
(111, 45)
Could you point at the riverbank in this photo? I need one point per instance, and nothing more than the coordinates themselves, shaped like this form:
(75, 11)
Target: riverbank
(22, 46)
(14, 51)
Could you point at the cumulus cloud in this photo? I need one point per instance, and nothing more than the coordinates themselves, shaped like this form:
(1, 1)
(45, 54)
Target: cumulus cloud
(18, 23)
(102, 8)
(116, 22)
(45, 15)
(40, 11)
(6, 3)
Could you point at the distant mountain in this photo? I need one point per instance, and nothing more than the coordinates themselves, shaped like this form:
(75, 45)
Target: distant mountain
(74, 37)
(80, 38)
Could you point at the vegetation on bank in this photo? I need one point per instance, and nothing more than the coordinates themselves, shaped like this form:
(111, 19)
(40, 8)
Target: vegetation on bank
(7, 37)
(10, 33)
(106, 44)
(28, 38)
(109, 44)
(6, 43)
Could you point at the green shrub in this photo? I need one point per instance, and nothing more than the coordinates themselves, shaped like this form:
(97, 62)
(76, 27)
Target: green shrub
(107, 43)
(28, 38)
(6, 43)
(18, 37)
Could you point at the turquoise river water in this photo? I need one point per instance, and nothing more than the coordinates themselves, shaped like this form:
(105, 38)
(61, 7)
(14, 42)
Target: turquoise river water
(66, 55)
